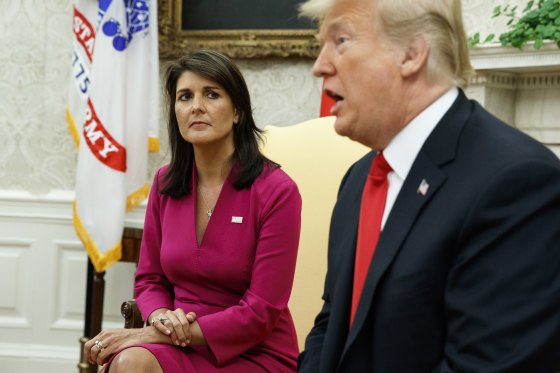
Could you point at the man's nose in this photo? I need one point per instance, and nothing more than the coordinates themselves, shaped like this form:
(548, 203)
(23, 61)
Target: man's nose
(322, 66)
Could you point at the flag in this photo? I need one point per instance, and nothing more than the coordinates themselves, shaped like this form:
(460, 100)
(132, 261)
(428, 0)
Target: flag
(113, 112)
(326, 104)
(423, 187)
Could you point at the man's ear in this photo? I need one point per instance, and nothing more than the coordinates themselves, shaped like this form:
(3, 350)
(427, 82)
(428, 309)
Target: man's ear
(415, 56)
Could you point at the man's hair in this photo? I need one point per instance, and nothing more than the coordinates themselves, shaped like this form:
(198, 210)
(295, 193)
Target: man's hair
(438, 21)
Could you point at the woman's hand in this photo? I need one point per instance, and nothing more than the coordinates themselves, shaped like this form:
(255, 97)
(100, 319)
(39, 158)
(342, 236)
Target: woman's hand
(176, 325)
(98, 349)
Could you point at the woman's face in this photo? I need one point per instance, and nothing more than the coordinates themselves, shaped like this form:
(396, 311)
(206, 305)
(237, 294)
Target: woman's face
(204, 111)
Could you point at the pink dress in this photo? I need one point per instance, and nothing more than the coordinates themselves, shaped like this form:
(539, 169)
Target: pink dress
(238, 281)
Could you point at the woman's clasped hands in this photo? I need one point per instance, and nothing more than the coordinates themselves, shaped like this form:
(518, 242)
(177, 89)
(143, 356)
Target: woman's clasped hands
(175, 324)
(167, 326)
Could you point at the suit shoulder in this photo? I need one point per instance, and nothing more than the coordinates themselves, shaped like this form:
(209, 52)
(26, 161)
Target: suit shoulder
(504, 141)
(360, 167)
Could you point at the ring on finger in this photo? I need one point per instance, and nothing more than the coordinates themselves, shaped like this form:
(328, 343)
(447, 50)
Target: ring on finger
(99, 345)
(163, 320)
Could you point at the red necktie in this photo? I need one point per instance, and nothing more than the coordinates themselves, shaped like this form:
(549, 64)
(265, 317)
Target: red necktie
(369, 229)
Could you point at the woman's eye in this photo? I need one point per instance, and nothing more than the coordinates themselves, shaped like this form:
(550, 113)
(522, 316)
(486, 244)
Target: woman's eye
(213, 95)
(185, 97)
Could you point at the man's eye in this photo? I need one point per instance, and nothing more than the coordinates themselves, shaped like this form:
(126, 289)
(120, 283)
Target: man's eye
(341, 40)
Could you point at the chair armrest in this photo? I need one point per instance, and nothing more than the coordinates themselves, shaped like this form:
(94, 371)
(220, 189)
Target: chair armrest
(132, 316)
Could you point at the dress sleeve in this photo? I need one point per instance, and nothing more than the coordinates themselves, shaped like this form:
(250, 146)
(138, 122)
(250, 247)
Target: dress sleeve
(238, 328)
(152, 288)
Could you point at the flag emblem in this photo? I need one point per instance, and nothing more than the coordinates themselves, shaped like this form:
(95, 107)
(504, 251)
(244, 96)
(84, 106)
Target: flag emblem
(423, 187)
(137, 20)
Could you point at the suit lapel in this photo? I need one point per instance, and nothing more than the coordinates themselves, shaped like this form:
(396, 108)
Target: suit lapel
(349, 216)
(401, 219)
(422, 183)
(342, 247)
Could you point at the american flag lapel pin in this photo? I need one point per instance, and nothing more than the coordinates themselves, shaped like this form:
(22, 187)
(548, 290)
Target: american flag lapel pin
(237, 219)
(423, 187)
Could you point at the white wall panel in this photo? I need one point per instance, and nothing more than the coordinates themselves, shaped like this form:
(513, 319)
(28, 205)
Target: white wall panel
(8, 278)
(43, 269)
(14, 282)
(33, 358)
(68, 308)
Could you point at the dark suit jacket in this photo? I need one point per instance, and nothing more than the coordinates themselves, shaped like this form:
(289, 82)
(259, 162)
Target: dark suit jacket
(465, 278)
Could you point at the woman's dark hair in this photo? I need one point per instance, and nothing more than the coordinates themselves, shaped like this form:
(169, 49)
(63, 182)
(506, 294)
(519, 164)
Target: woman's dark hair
(246, 135)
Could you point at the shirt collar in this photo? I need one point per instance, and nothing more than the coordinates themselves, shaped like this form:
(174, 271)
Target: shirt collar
(403, 149)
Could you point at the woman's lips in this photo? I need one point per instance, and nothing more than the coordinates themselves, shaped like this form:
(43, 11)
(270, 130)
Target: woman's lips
(199, 124)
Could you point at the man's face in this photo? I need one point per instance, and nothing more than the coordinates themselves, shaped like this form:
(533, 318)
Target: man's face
(361, 73)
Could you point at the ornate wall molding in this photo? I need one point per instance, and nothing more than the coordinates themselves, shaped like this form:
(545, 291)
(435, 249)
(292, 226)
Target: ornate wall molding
(507, 80)
(539, 80)
(173, 41)
(496, 57)
(494, 79)
(520, 87)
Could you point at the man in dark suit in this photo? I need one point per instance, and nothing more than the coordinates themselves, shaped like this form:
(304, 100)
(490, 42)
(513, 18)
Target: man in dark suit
(465, 273)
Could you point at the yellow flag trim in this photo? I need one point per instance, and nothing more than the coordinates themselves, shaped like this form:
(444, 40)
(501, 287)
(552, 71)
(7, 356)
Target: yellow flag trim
(100, 261)
(153, 144)
(137, 197)
(103, 261)
(72, 128)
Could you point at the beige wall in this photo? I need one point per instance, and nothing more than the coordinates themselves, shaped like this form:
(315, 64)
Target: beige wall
(36, 152)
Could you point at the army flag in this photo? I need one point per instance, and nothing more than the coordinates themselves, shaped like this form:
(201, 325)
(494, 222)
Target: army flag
(112, 116)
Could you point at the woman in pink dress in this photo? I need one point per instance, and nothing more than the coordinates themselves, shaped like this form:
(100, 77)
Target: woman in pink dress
(220, 240)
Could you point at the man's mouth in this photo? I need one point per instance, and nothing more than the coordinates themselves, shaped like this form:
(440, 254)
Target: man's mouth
(338, 100)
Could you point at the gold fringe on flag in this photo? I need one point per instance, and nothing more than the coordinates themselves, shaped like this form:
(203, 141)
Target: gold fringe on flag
(72, 128)
(100, 261)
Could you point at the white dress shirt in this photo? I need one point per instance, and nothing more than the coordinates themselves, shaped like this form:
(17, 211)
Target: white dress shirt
(403, 149)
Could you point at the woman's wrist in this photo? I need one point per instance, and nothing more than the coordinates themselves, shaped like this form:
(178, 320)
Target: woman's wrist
(197, 337)
(150, 334)
(155, 314)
